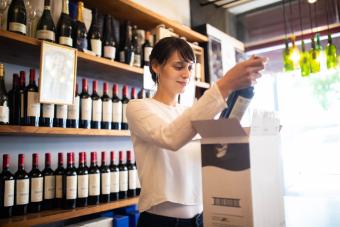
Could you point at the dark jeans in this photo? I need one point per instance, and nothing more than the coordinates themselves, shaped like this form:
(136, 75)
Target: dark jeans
(152, 220)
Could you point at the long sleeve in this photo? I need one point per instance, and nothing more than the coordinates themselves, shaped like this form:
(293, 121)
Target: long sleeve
(150, 127)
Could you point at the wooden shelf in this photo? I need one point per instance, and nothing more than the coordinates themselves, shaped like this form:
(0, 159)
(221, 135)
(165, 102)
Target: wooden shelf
(44, 131)
(22, 50)
(51, 216)
(202, 84)
(143, 17)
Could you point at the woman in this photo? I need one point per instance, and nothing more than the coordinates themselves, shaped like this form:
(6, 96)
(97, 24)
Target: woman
(168, 162)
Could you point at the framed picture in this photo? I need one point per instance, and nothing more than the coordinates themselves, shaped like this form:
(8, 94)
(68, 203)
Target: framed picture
(58, 70)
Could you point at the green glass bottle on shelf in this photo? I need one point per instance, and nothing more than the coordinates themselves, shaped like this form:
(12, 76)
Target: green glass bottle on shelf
(304, 61)
(314, 57)
(294, 54)
(330, 53)
(287, 61)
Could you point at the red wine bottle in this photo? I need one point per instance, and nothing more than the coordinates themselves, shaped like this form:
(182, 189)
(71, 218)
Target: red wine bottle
(85, 106)
(59, 174)
(132, 170)
(73, 111)
(137, 48)
(79, 31)
(114, 174)
(23, 106)
(47, 115)
(70, 183)
(96, 106)
(60, 116)
(107, 108)
(141, 94)
(117, 109)
(14, 101)
(94, 37)
(94, 180)
(4, 109)
(83, 182)
(127, 53)
(36, 186)
(123, 177)
(133, 93)
(16, 19)
(32, 101)
(105, 180)
(46, 28)
(125, 101)
(49, 184)
(64, 26)
(6, 189)
(21, 188)
(108, 42)
(147, 48)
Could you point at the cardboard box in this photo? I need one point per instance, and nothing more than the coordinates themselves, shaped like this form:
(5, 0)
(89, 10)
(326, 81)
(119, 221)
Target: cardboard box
(241, 174)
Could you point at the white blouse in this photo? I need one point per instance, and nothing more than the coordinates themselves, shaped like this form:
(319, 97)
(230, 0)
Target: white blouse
(168, 161)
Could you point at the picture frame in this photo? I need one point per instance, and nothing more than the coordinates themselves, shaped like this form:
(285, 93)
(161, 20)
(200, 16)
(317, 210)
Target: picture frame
(58, 70)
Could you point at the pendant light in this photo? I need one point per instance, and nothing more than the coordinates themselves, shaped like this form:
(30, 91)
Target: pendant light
(304, 56)
(313, 52)
(330, 48)
(294, 50)
(287, 61)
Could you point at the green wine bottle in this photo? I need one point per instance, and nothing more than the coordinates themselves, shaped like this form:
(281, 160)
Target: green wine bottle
(304, 61)
(287, 61)
(314, 57)
(330, 53)
(294, 53)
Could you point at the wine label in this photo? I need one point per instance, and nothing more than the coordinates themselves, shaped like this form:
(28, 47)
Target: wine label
(22, 191)
(17, 27)
(94, 182)
(71, 187)
(107, 111)
(132, 179)
(9, 193)
(37, 189)
(22, 105)
(59, 187)
(114, 187)
(83, 186)
(49, 187)
(122, 56)
(123, 180)
(73, 110)
(109, 52)
(48, 110)
(61, 111)
(63, 40)
(132, 59)
(33, 105)
(96, 46)
(239, 108)
(137, 59)
(97, 110)
(147, 52)
(86, 109)
(105, 181)
(4, 114)
(117, 112)
(45, 35)
(124, 120)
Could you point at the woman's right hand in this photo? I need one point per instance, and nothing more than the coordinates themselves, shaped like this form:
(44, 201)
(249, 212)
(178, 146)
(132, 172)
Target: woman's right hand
(242, 75)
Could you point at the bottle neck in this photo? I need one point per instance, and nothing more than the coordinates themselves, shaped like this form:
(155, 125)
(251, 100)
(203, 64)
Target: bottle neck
(47, 5)
(80, 12)
(65, 7)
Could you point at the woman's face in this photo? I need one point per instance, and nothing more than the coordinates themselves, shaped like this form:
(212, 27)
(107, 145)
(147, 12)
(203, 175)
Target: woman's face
(174, 74)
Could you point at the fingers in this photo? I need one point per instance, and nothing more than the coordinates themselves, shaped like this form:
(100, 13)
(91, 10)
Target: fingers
(256, 61)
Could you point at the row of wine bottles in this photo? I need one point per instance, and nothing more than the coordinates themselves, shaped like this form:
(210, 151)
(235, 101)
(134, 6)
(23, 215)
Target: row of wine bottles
(68, 187)
(101, 39)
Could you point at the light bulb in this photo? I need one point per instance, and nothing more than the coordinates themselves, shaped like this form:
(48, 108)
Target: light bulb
(312, 1)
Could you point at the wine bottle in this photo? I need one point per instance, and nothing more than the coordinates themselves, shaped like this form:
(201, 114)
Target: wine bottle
(132, 172)
(47, 115)
(59, 174)
(73, 111)
(46, 27)
(125, 101)
(123, 177)
(14, 101)
(16, 19)
(79, 31)
(114, 175)
(109, 44)
(85, 108)
(4, 109)
(94, 37)
(64, 26)
(23, 106)
(126, 53)
(330, 51)
(96, 106)
(137, 49)
(21, 188)
(117, 109)
(105, 180)
(60, 116)
(94, 180)
(133, 93)
(32, 101)
(107, 108)
(147, 48)
(141, 94)
(83, 182)
(36, 186)
(70, 183)
(6, 189)
(49, 184)
(138, 186)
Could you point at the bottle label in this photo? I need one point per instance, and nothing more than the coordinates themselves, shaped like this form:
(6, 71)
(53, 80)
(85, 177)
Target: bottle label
(22, 104)
(97, 110)
(123, 180)
(137, 60)
(46, 35)
(109, 52)
(83, 186)
(131, 59)
(114, 187)
(22, 191)
(86, 109)
(49, 185)
(239, 108)
(48, 110)
(105, 183)
(107, 111)
(147, 52)
(9, 193)
(61, 111)
(73, 110)
(133, 179)
(117, 112)
(71, 187)
(59, 187)
(4, 114)
(17, 27)
(122, 56)
(63, 40)
(94, 183)
(124, 120)
(33, 105)
(37, 189)
(96, 46)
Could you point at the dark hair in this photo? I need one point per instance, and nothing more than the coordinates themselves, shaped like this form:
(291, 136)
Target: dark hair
(165, 47)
